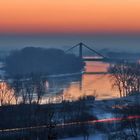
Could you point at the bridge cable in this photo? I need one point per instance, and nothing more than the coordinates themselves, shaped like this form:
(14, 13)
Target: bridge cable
(72, 48)
(93, 50)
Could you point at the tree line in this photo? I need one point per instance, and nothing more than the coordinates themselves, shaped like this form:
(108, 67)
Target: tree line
(23, 90)
(39, 60)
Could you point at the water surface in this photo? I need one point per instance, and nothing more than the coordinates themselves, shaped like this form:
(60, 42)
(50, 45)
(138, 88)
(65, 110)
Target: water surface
(95, 81)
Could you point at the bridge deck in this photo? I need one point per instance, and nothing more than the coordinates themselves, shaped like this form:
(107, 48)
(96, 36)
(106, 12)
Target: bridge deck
(92, 73)
(96, 59)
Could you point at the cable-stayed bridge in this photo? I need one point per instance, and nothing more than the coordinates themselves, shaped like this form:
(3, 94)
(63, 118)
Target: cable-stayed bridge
(81, 46)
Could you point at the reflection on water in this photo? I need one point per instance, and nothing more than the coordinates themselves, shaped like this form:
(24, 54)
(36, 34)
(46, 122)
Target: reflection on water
(96, 67)
(73, 87)
(98, 85)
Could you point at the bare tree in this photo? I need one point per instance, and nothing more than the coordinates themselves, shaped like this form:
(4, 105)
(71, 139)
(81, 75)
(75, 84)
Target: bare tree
(40, 91)
(6, 93)
(23, 93)
(39, 87)
(126, 77)
(10, 96)
(29, 89)
(17, 87)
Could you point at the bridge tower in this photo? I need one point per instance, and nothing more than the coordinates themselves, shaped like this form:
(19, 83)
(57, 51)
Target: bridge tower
(81, 50)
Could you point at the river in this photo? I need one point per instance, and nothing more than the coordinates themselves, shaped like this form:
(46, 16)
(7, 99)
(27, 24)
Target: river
(95, 81)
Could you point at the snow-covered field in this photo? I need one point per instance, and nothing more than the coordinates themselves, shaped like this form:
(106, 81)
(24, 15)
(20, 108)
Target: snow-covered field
(103, 110)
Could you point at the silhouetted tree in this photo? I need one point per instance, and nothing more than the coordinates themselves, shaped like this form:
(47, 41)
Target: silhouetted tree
(39, 87)
(29, 89)
(17, 86)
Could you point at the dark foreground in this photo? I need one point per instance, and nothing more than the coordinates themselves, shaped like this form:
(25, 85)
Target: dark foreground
(68, 119)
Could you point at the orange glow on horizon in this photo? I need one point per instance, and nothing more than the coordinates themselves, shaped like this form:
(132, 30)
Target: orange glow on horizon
(51, 16)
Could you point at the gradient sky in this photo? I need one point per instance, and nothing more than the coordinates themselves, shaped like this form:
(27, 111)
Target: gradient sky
(69, 16)
(60, 17)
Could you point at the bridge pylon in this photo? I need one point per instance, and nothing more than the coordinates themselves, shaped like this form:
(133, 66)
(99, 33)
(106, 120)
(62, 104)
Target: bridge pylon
(81, 50)
(81, 46)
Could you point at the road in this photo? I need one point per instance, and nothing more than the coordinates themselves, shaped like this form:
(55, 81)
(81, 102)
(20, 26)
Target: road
(108, 120)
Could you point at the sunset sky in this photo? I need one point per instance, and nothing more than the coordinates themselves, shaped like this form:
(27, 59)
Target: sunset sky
(54, 16)
(60, 17)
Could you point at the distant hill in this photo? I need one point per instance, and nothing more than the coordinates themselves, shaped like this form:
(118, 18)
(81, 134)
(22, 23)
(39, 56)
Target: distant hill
(124, 55)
